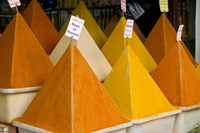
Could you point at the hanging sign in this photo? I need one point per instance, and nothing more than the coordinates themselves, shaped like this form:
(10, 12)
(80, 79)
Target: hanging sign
(179, 33)
(129, 28)
(75, 27)
(14, 3)
(123, 5)
(164, 5)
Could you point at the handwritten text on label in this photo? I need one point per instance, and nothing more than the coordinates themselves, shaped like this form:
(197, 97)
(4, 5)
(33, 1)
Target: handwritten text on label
(129, 28)
(75, 27)
(14, 3)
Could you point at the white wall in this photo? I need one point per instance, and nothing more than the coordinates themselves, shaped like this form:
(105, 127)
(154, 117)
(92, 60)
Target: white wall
(197, 31)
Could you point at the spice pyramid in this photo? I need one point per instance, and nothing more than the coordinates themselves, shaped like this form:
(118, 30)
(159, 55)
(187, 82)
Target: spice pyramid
(23, 62)
(90, 24)
(41, 26)
(177, 77)
(161, 39)
(74, 98)
(114, 21)
(89, 50)
(116, 43)
(133, 89)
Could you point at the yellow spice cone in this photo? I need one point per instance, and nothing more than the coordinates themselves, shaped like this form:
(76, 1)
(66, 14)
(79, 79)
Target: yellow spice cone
(114, 21)
(198, 69)
(177, 77)
(41, 26)
(116, 43)
(23, 62)
(90, 24)
(161, 39)
(133, 89)
(72, 100)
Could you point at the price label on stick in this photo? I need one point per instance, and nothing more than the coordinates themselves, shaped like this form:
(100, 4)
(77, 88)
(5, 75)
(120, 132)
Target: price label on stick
(14, 3)
(129, 28)
(75, 27)
(179, 33)
(164, 5)
(123, 5)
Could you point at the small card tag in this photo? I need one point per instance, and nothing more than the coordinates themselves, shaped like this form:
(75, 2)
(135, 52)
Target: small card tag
(123, 5)
(75, 27)
(129, 28)
(179, 33)
(164, 5)
(14, 3)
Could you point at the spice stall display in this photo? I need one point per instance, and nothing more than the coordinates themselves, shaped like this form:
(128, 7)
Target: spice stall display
(180, 83)
(72, 100)
(161, 39)
(90, 24)
(24, 66)
(41, 26)
(138, 96)
(116, 43)
(88, 49)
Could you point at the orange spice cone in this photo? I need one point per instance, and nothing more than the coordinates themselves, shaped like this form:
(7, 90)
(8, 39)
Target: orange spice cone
(41, 26)
(177, 77)
(161, 39)
(116, 43)
(23, 62)
(90, 24)
(72, 99)
(133, 89)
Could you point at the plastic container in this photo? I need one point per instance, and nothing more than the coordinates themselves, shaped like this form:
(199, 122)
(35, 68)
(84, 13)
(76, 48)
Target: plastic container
(162, 123)
(14, 102)
(187, 120)
(23, 128)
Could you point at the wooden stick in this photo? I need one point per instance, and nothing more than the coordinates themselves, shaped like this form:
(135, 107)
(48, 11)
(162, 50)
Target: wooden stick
(17, 9)
(71, 39)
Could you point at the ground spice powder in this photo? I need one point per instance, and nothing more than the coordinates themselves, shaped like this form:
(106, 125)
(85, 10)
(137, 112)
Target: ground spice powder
(23, 62)
(41, 26)
(161, 39)
(72, 99)
(90, 24)
(177, 77)
(116, 43)
(133, 89)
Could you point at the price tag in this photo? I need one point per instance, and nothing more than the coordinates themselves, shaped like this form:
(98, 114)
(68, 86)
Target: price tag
(14, 3)
(129, 28)
(123, 5)
(164, 5)
(75, 27)
(179, 33)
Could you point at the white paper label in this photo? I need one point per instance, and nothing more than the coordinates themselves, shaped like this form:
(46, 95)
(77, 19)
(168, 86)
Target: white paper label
(14, 3)
(129, 28)
(164, 5)
(123, 5)
(179, 33)
(75, 27)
